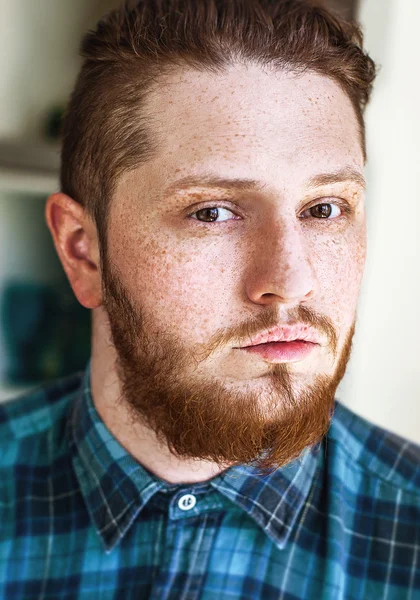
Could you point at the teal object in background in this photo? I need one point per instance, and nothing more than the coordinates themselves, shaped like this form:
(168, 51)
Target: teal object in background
(46, 332)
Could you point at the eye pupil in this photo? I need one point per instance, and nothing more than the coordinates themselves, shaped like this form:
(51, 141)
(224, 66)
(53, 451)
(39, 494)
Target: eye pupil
(321, 210)
(213, 216)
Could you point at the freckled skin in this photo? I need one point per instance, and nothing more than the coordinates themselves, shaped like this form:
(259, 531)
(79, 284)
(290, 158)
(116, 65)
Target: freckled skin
(251, 141)
(195, 280)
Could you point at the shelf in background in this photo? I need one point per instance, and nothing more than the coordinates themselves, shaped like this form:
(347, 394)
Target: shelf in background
(28, 166)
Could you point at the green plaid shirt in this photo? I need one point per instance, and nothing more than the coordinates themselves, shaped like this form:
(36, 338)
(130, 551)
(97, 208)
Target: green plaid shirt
(81, 518)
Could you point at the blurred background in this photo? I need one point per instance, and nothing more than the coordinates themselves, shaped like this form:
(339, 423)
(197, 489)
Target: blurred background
(45, 333)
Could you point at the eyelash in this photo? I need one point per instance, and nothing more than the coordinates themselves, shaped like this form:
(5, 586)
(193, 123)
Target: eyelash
(344, 206)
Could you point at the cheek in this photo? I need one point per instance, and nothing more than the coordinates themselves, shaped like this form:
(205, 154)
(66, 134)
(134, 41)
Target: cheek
(186, 288)
(340, 265)
(183, 290)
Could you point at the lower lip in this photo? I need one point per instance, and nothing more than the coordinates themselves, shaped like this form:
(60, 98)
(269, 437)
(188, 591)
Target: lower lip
(282, 351)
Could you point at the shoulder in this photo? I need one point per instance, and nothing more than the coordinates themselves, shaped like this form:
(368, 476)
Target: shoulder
(374, 451)
(32, 416)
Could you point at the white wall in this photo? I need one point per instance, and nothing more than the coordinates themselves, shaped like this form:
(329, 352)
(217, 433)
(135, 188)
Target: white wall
(39, 57)
(383, 380)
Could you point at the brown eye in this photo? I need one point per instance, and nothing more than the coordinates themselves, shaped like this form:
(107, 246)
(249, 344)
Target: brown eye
(321, 211)
(328, 211)
(211, 214)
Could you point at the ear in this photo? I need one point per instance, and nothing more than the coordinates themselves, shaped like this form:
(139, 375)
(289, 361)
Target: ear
(76, 242)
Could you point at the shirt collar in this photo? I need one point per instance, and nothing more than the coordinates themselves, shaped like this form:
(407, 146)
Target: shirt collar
(116, 487)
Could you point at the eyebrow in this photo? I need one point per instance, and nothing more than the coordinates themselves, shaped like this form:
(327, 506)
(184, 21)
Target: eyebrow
(208, 179)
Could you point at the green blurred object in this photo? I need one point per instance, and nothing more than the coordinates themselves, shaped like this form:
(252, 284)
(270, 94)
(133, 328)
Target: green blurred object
(46, 330)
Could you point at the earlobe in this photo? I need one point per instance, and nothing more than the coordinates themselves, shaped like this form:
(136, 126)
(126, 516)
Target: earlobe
(75, 240)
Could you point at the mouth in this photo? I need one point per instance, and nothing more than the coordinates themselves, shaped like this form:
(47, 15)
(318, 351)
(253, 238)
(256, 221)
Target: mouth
(278, 352)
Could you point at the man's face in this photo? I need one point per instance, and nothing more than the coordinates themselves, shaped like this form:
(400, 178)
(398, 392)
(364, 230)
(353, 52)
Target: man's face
(192, 274)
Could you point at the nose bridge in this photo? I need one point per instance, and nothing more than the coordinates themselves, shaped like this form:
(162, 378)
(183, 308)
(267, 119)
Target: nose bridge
(281, 262)
(286, 247)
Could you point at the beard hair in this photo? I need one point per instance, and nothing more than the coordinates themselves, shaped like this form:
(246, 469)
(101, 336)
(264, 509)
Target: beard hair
(204, 419)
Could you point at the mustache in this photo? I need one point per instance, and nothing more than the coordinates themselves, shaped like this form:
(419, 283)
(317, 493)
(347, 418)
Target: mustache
(269, 320)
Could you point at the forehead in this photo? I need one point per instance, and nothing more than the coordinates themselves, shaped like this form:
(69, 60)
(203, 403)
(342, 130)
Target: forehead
(250, 122)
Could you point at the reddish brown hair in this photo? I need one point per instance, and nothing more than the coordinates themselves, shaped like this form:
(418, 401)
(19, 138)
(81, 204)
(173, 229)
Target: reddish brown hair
(106, 131)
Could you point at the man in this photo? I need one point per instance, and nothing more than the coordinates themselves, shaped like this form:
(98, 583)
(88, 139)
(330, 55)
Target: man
(212, 216)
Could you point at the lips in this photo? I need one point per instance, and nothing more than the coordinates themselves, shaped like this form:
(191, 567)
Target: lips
(287, 333)
(282, 351)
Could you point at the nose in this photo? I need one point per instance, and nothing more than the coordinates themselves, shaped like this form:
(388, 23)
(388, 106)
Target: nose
(280, 268)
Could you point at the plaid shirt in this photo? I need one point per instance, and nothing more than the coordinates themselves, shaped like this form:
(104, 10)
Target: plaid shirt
(81, 518)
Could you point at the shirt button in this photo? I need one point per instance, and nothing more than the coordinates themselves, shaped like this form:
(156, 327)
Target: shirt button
(187, 501)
